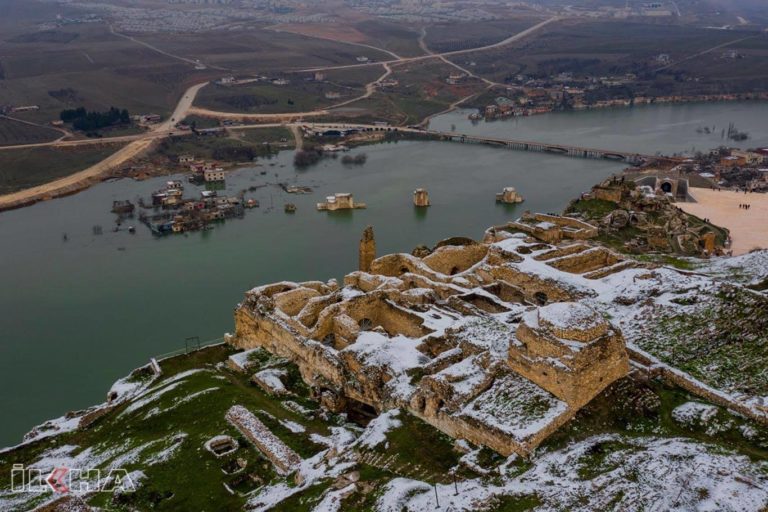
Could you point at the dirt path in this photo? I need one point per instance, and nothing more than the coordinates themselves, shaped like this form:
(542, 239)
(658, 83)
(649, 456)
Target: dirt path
(285, 117)
(276, 28)
(193, 62)
(137, 144)
(64, 133)
(297, 137)
(74, 182)
(704, 52)
(748, 227)
(520, 35)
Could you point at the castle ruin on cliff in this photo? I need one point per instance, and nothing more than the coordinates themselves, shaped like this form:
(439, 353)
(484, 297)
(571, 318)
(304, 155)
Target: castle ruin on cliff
(463, 337)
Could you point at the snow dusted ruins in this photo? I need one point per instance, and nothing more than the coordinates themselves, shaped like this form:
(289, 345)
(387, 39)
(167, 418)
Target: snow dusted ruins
(464, 338)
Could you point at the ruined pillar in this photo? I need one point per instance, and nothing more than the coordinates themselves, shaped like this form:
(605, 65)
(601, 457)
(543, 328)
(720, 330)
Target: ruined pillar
(367, 251)
(420, 197)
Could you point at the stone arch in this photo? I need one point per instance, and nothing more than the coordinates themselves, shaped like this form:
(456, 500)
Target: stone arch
(666, 187)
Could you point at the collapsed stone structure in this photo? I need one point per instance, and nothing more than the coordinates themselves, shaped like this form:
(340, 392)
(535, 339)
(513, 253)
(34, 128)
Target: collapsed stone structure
(554, 228)
(644, 218)
(463, 337)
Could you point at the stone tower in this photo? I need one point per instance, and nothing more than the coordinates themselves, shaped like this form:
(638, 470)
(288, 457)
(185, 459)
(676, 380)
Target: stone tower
(420, 197)
(367, 251)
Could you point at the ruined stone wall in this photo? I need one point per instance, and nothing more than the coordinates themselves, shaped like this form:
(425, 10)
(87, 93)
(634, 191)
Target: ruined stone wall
(576, 377)
(531, 285)
(612, 194)
(696, 388)
(254, 330)
(452, 259)
(291, 302)
(583, 229)
(586, 261)
(482, 435)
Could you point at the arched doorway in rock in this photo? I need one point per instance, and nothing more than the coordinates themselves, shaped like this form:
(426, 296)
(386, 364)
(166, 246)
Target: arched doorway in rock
(666, 187)
(540, 298)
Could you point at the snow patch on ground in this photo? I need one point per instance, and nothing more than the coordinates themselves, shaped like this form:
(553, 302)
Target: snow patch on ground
(642, 474)
(691, 413)
(376, 432)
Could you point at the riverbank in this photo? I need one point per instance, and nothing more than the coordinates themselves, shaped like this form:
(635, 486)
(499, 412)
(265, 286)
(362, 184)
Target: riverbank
(747, 226)
(76, 182)
(505, 111)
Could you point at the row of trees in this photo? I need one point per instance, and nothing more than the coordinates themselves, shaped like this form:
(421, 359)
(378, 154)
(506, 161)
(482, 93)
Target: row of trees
(86, 121)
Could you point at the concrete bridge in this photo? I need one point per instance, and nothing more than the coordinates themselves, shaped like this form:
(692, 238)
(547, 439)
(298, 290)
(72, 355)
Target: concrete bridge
(521, 145)
(546, 147)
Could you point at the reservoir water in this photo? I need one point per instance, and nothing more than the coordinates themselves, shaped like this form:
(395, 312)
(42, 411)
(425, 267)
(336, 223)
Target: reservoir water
(77, 314)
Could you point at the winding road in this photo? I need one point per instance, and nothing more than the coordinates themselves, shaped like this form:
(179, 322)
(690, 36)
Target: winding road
(139, 143)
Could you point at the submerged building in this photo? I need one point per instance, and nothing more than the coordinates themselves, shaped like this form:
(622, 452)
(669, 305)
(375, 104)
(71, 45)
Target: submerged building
(339, 201)
(420, 197)
(509, 196)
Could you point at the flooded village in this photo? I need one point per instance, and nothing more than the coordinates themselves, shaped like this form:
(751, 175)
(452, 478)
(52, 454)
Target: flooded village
(172, 209)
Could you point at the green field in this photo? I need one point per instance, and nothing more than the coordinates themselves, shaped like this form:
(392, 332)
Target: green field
(445, 37)
(25, 168)
(399, 39)
(297, 96)
(239, 146)
(14, 132)
(605, 48)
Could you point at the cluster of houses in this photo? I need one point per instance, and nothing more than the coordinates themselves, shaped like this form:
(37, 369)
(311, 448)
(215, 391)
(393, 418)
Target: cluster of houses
(180, 214)
(202, 171)
(732, 168)
(528, 101)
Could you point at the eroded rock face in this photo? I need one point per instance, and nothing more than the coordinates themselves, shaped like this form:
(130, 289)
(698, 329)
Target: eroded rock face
(455, 337)
(647, 214)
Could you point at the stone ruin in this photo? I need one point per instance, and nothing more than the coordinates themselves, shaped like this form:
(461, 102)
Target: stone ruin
(645, 217)
(554, 228)
(463, 337)
(420, 197)
(509, 196)
(340, 201)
